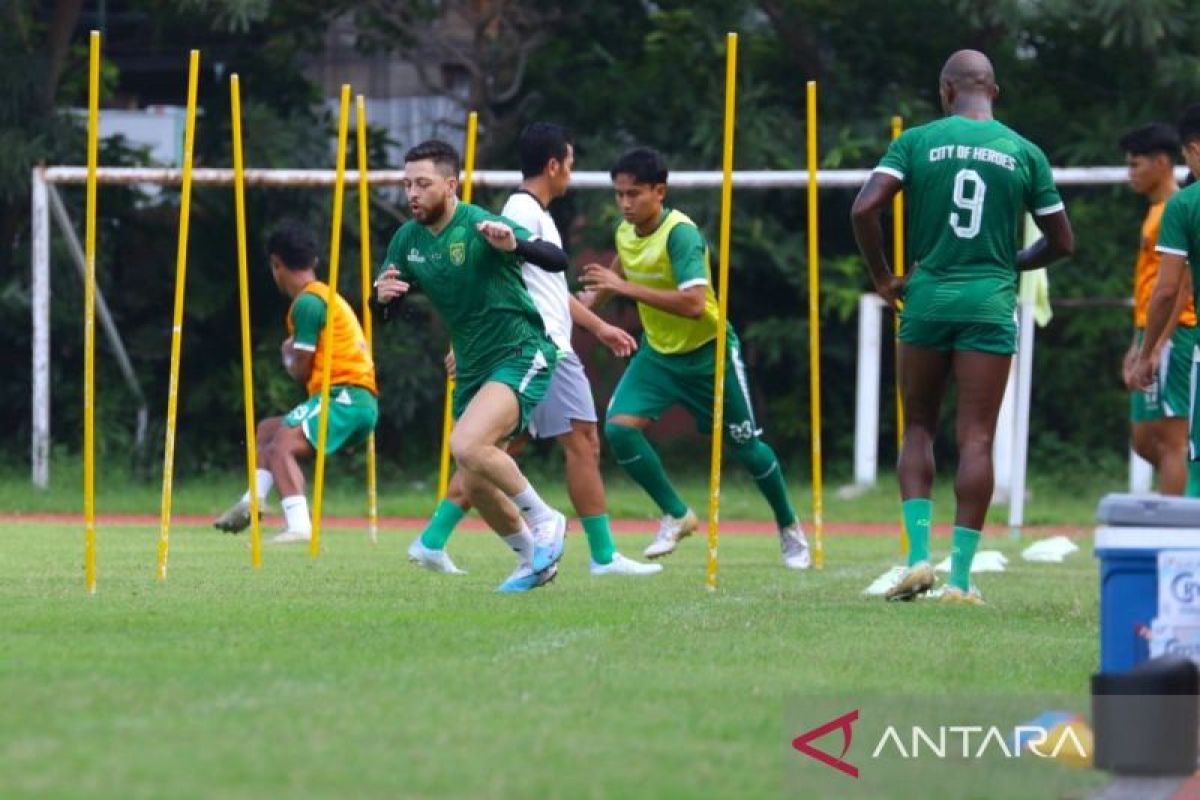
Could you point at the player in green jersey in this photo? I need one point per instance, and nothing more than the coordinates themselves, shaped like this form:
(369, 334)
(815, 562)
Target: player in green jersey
(663, 265)
(968, 180)
(468, 263)
(1179, 246)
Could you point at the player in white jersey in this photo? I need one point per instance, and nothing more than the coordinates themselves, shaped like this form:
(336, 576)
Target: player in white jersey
(568, 412)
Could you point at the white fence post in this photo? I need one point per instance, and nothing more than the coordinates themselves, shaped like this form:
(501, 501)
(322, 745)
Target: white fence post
(866, 409)
(40, 309)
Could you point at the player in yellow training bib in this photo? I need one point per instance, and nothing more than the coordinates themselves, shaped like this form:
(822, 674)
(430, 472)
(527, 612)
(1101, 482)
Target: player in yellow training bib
(663, 264)
(353, 409)
(968, 180)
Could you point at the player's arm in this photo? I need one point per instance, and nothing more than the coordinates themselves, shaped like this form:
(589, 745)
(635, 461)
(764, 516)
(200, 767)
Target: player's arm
(594, 298)
(689, 267)
(538, 252)
(612, 337)
(1057, 242)
(866, 216)
(1163, 303)
(1181, 301)
(308, 320)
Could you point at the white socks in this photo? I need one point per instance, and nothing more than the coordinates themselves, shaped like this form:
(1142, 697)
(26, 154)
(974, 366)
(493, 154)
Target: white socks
(521, 543)
(295, 510)
(533, 509)
(263, 481)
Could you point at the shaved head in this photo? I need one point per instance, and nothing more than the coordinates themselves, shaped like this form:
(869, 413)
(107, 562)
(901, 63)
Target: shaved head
(968, 79)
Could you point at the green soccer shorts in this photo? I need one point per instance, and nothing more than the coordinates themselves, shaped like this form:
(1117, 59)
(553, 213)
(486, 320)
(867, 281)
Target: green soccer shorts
(353, 412)
(527, 372)
(998, 338)
(1171, 393)
(653, 382)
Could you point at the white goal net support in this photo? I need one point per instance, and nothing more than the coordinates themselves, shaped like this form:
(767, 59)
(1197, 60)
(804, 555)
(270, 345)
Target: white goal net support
(1012, 436)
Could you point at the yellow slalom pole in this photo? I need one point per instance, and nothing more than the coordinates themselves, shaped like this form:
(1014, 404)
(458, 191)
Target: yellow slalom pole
(364, 227)
(185, 214)
(814, 334)
(239, 197)
(448, 409)
(331, 312)
(898, 268)
(718, 415)
(89, 322)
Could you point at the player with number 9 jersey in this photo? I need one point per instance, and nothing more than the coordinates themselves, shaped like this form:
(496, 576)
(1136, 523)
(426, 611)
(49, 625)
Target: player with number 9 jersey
(969, 183)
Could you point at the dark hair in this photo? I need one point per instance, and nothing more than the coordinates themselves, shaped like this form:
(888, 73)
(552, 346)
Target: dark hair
(1157, 137)
(539, 143)
(1189, 124)
(643, 164)
(294, 243)
(442, 154)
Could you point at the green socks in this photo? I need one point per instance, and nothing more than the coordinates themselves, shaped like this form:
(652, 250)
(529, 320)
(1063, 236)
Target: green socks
(599, 538)
(759, 459)
(961, 556)
(637, 457)
(441, 525)
(918, 517)
(1193, 482)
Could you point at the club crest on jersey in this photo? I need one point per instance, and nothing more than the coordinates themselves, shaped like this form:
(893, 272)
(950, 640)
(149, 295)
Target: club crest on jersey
(458, 253)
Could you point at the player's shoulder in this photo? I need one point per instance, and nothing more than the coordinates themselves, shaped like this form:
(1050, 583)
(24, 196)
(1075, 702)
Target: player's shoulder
(520, 202)
(1186, 200)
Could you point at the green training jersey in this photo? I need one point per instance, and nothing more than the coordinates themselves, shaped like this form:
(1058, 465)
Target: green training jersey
(1179, 233)
(476, 288)
(968, 183)
(673, 256)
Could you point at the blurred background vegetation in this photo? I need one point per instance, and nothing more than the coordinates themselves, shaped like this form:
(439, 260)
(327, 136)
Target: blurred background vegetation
(1073, 76)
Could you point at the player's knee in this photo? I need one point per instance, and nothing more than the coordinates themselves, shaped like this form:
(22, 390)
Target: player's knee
(757, 457)
(621, 438)
(466, 452)
(582, 444)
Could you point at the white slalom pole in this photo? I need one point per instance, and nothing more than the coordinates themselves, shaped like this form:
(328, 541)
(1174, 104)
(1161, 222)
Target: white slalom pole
(866, 409)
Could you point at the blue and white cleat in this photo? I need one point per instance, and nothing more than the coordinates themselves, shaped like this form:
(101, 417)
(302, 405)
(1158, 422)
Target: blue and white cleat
(549, 541)
(522, 580)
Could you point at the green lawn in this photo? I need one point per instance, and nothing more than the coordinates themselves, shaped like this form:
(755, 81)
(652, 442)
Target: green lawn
(358, 675)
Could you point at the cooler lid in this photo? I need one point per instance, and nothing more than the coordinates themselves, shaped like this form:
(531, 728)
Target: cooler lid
(1125, 538)
(1149, 511)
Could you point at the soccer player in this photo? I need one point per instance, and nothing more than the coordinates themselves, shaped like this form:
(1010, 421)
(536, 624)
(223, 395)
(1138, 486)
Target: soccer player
(467, 262)
(568, 412)
(1159, 414)
(353, 410)
(969, 180)
(1178, 245)
(663, 265)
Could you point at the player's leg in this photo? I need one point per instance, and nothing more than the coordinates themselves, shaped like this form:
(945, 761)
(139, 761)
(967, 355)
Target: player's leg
(981, 379)
(924, 372)
(1175, 379)
(287, 447)
(236, 518)
(567, 414)
(503, 517)
(498, 408)
(643, 393)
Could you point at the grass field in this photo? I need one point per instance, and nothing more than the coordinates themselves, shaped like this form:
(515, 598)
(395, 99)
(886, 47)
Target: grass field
(359, 675)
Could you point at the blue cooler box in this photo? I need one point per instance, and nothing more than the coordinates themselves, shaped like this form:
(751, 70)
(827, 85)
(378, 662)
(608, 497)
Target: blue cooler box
(1133, 529)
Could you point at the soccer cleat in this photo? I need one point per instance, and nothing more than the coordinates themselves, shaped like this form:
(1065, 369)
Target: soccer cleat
(549, 541)
(432, 560)
(524, 578)
(793, 547)
(915, 580)
(620, 565)
(670, 531)
(292, 537)
(952, 595)
(236, 518)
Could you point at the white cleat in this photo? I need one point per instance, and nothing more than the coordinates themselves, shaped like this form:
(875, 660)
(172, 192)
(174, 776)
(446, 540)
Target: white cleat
(793, 547)
(670, 531)
(620, 565)
(549, 539)
(292, 537)
(432, 560)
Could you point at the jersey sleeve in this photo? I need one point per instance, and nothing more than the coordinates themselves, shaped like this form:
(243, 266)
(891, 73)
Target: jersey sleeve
(688, 256)
(1174, 232)
(1042, 196)
(308, 317)
(897, 161)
